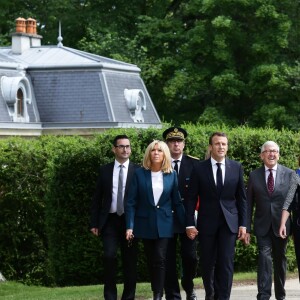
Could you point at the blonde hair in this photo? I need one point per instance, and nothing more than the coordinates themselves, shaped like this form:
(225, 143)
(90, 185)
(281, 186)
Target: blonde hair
(166, 165)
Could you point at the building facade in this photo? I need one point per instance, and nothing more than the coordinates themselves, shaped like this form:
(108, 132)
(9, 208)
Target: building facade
(61, 90)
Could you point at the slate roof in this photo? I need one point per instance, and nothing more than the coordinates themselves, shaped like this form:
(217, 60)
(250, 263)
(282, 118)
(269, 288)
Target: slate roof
(71, 89)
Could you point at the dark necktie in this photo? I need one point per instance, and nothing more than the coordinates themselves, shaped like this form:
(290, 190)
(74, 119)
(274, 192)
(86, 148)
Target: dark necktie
(176, 165)
(270, 182)
(120, 205)
(219, 179)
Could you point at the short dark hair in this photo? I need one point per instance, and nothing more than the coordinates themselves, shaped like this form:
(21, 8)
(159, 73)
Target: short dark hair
(119, 137)
(217, 134)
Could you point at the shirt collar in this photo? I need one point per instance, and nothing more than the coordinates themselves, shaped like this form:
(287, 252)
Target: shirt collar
(213, 161)
(179, 159)
(125, 164)
(274, 168)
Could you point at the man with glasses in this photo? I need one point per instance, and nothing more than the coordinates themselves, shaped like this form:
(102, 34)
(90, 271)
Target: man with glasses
(267, 190)
(183, 165)
(108, 220)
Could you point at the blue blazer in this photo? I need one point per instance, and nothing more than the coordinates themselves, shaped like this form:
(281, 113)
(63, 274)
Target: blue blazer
(150, 221)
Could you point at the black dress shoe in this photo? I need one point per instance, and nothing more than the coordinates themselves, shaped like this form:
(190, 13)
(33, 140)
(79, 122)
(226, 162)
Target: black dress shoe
(191, 296)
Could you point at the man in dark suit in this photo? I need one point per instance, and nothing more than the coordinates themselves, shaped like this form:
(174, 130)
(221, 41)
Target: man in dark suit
(221, 219)
(183, 165)
(267, 190)
(108, 220)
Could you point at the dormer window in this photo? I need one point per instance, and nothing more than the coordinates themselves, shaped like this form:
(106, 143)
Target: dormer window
(20, 104)
(17, 95)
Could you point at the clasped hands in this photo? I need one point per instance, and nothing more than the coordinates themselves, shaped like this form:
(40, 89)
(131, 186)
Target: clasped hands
(191, 232)
(129, 234)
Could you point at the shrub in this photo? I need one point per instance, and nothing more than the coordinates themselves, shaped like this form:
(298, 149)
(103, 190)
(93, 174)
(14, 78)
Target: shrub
(46, 189)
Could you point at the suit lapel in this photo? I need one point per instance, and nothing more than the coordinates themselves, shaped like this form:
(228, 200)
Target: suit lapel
(210, 174)
(262, 178)
(129, 175)
(110, 175)
(279, 176)
(166, 183)
(182, 171)
(228, 171)
(149, 191)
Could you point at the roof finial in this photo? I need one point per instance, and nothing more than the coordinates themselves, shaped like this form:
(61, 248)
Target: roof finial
(59, 39)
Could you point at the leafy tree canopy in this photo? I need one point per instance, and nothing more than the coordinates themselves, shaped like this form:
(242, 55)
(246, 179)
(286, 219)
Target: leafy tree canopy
(239, 57)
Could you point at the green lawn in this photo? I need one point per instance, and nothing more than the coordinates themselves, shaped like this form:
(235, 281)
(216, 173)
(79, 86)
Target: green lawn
(18, 291)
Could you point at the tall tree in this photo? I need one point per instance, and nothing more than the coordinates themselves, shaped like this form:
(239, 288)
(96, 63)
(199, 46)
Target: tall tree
(238, 59)
(235, 55)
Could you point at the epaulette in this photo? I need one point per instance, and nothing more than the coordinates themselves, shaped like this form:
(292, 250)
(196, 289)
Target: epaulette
(193, 157)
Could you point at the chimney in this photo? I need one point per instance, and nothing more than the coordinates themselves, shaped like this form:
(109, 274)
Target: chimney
(25, 36)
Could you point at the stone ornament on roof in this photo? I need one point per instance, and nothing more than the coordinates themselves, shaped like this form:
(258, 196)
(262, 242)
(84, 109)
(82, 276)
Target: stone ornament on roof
(136, 103)
(16, 93)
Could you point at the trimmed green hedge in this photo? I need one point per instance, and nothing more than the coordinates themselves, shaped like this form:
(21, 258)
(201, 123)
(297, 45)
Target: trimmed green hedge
(46, 188)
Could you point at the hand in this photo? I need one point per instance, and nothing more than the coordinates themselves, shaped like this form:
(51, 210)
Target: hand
(95, 231)
(282, 231)
(129, 234)
(242, 233)
(191, 232)
(247, 239)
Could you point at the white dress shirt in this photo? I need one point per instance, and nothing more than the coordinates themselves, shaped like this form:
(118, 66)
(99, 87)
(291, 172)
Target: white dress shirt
(157, 185)
(215, 168)
(116, 171)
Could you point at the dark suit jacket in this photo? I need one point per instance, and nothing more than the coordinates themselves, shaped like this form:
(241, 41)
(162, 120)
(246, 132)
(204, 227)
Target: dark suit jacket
(267, 208)
(186, 167)
(102, 198)
(150, 221)
(232, 202)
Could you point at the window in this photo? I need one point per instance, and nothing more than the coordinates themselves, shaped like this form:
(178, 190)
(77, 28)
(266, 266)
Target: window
(20, 103)
(16, 92)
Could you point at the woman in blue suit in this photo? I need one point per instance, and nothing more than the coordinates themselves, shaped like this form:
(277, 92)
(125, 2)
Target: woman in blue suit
(153, 197)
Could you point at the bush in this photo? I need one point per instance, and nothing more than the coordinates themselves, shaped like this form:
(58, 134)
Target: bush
(46, 189)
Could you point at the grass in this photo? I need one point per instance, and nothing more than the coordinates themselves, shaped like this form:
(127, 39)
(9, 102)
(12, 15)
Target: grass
(17, 291)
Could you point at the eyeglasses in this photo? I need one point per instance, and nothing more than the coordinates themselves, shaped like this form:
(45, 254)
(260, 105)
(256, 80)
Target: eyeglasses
(270, 151)
(122, 147)
(175, 141)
